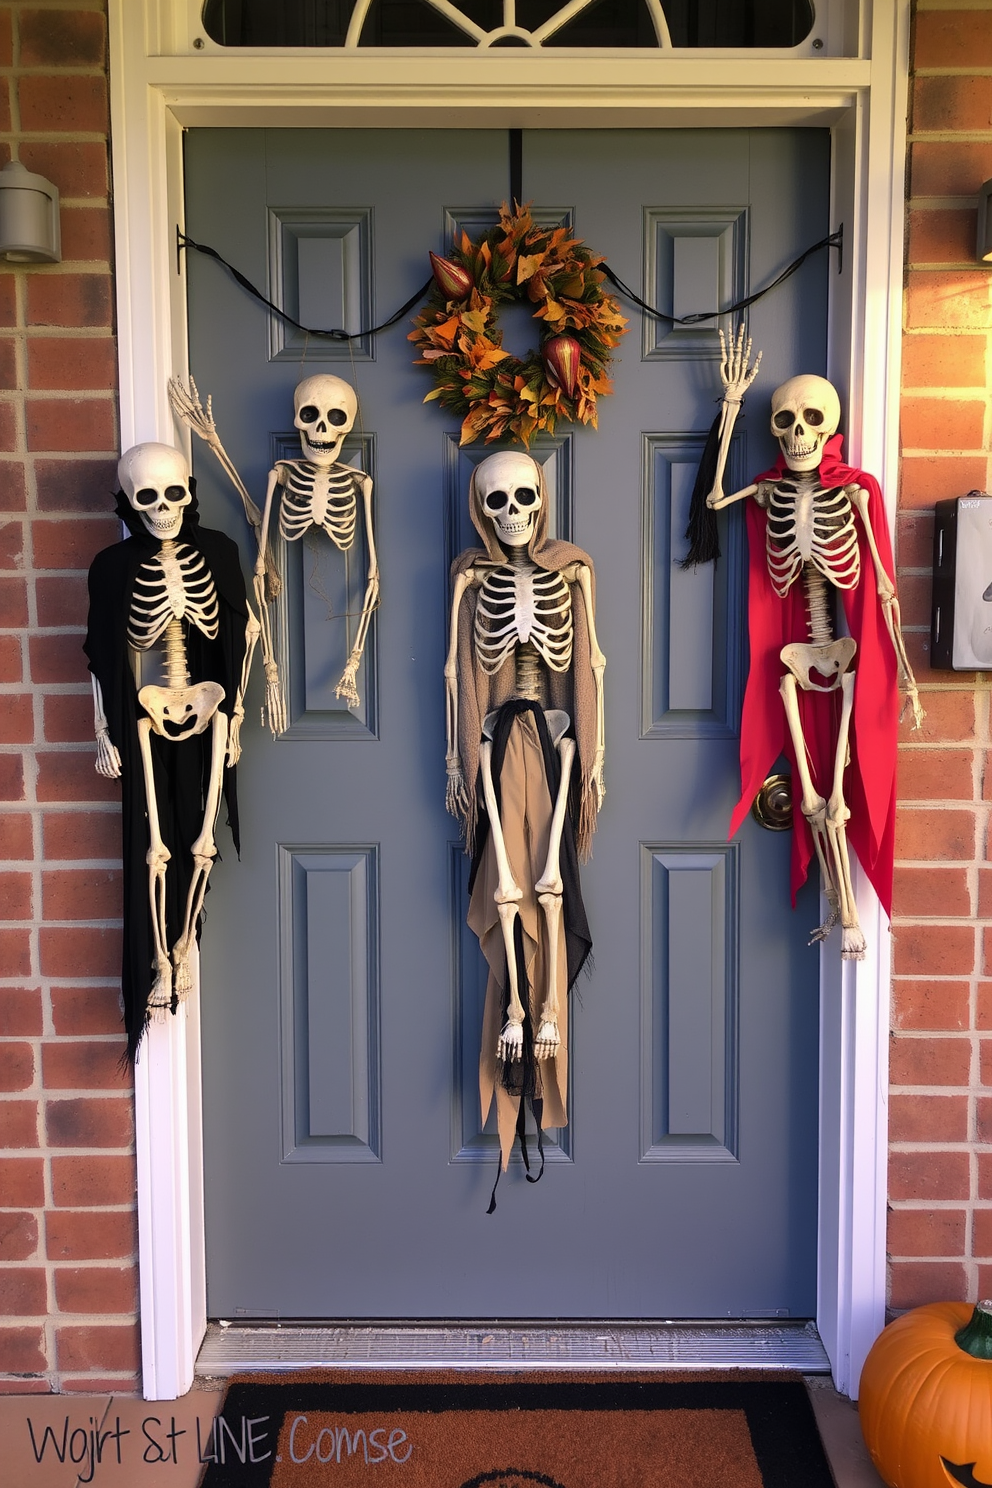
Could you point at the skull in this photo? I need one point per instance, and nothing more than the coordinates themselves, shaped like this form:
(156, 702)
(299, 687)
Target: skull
(805, 412)
(325, 412)
(155, 480)
(509, 487)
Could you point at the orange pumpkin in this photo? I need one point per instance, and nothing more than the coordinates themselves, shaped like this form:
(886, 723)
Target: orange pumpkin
(926, 1398)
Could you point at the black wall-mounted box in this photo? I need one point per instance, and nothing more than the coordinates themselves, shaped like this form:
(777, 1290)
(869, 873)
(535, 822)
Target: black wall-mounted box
(961, 615)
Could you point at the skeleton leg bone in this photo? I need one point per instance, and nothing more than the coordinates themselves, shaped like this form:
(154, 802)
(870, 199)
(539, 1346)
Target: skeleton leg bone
(203, 851)
(837, 816)
(157, 858)
(510, 1046)
(814, 807)
(549, 895)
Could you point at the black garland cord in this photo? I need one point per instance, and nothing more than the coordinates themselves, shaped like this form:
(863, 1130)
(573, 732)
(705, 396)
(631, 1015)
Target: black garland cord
(833, 240)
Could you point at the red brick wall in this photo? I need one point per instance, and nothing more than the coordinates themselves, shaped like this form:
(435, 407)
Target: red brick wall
(67, 1231)
(940, 1169)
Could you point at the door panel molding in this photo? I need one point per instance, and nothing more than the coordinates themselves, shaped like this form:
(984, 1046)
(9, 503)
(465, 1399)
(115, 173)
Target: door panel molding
(695, 258)
(690, 955)
(320, 273)
(159, 83)
(692, 669)
(328, 934)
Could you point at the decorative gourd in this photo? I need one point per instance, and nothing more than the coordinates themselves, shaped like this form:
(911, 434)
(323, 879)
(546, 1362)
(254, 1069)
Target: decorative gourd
(926, 1398)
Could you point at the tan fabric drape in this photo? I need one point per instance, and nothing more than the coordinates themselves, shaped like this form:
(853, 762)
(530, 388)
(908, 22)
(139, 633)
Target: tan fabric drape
(525, 812)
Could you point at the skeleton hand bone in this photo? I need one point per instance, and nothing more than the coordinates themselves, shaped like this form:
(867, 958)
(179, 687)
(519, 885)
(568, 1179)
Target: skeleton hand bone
(735, 374)
(234, 738)
(455, 795)
(108, 759)
(548, 1039)
(347, 687)
(510, 1045)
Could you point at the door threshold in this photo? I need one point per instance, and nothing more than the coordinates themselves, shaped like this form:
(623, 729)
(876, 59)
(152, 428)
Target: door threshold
(229, 1348)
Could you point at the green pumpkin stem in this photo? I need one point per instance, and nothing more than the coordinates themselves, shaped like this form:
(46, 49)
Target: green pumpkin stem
(976, 1335)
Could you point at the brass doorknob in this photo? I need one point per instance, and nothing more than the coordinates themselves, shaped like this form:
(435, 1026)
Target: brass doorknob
(772, 808)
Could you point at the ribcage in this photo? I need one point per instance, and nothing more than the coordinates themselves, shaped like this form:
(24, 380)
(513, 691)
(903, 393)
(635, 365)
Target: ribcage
(174, 585)
(518, 604)
(808, 524)
(313, 497)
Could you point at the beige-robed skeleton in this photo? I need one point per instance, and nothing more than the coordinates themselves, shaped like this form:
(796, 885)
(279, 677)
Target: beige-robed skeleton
(523, 627)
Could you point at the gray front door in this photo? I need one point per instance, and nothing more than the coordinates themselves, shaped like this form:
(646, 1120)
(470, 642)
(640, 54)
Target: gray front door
(346, 1172)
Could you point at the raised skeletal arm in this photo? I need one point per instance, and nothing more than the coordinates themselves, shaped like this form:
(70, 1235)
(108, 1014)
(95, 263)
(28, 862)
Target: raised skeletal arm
(455, 796)
(187, 406)
(108, 759)
(737, 377)
(598, 663)
(347, 687)
(890, 609)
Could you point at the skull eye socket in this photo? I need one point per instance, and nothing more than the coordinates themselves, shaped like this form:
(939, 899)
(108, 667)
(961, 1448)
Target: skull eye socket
(526, 497)
(337, 416)
(496, 500)
(308, 414)
(784, 420)
(813, 417)
(176, 493)
(146, 497)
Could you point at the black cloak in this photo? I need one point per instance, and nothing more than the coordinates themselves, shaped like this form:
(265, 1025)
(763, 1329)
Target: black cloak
(182, 770)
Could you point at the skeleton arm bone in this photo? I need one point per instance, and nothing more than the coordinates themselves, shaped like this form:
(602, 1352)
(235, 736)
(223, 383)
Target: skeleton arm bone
(598, 663)
(252, 632)
(347, 688)
(456, 796)
(275, 705)
(737, 377)
(890, 609)
(187, 406)
(108, 759)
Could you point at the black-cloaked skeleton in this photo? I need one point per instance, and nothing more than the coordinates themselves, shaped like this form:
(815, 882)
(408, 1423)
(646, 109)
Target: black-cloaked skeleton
(167, 608)
(315, 491)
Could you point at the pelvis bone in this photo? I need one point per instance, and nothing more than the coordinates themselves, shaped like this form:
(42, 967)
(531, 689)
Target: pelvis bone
(179, 713)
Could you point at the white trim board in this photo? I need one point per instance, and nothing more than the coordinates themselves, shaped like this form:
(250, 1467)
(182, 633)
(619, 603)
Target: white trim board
(157, 86)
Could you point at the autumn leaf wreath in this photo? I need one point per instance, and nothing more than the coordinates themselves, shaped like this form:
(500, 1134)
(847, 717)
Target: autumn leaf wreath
(502, 396)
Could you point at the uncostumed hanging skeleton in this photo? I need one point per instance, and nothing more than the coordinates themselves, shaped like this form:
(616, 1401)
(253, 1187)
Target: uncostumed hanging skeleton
(816, 529)
(171, 597)
(316, 492)
(524, 687)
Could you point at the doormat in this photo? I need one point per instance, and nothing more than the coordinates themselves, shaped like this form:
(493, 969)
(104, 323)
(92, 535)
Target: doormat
(447, 1431)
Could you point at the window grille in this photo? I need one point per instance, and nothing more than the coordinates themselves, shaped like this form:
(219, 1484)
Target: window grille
(501, 23)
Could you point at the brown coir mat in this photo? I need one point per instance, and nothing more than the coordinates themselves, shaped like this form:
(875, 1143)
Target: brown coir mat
(515, 1431)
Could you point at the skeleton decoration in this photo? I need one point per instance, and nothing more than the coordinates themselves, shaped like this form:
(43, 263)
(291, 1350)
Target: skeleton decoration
(317, 491)
(168, 607)
(524, 688)
(817, 529)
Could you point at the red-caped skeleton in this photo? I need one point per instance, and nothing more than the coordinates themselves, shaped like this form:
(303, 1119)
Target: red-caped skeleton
(817, 528)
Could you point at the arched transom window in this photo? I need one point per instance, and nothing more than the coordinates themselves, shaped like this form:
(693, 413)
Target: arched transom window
(506, 23)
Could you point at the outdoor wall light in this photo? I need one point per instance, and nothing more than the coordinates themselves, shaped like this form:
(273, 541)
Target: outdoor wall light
(29, 217)
(985, 223)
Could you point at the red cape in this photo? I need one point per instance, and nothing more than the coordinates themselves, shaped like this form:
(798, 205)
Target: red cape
(869, 783)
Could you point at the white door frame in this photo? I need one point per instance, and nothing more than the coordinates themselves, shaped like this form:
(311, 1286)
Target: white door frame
(161, 82)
